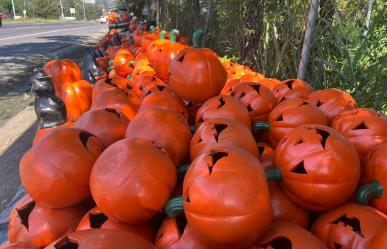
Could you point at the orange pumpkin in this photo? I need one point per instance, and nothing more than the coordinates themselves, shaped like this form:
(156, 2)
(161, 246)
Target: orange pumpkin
(349, 226)
(96, 219)
(230, 85)
(107, 124)
(148, 38)
(290, 89)
(374, 175)
(379, 241)
(285, 235)
(37, 226)
(285, 210)
(212, 188)
(258, 100)
(332, 102)
(363, 127)
(154, 45)
(196, 73)
(55, 172)
(16, 246)
(101, 86)
(123, 62)
(101, 239)
(132, 180)
(62, 71)
(176, 234)
(269, 83)
(319, 168)
(77, 97)
(222, 132)
(223, 107)
(167, 129)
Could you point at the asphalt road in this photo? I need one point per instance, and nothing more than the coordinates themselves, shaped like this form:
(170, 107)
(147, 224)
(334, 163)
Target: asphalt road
(23, 47)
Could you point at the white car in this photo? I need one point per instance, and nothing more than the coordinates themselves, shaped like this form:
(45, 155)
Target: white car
(103, 19)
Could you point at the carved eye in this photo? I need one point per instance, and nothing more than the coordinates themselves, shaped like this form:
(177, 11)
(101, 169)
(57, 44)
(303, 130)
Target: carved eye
(352, 222)
(215, 158)
(221, 103)
(324, 136)
(219, 128)
(256, 88)
(249, 108)
(97, 220)
(24, 213)
(290, 84)
(84, 137)
(66, 243)
(299, 169)
(280, 243)
(280, 118)
(361, 126)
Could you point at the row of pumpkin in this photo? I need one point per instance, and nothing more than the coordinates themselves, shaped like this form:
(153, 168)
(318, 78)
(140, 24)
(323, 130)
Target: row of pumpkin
(207, 152)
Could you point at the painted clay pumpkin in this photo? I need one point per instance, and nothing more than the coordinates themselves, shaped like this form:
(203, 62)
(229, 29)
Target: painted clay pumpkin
(107, 124)
(293, 88)
(167, 129)
(123, 62)
(127, 168)
(332, 102)
(223, 107)
(155, 45)
(37, 226)
(350, 226)
(196, 73)
(55, 172)
(62, 71)
(318, 168)
(364, 127)
(222, 132)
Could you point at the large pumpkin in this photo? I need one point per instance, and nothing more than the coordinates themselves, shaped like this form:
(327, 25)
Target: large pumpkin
(107, 124)
(62, 71)
(212, 201)
(285, 235)
(223, 107)
(258, 100)
(284, 209)
(176, 234)
(375, 177)
(77, 97)
(196, 73)
(55, 172)
(96, 219)
(379, 241)
(293, 88)
(165, 53)
(167, 129)
(163, 100)
(101, 239)
(155, 45)
(349, 226)
(37, 226)
(222, 132)
(319, 169)
(121, 101)
(132, 180)
(332, 102)
(364, 127)
(290, 114)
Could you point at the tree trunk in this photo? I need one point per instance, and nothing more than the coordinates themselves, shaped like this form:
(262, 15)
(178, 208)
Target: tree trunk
(209, 14)
(158, 10)
(368, 17)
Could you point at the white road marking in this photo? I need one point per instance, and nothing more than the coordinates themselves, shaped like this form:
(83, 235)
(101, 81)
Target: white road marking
(41, 33)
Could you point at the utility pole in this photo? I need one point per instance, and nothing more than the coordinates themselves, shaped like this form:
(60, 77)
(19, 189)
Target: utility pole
(13, 8)
(84, 11)
(61, 10)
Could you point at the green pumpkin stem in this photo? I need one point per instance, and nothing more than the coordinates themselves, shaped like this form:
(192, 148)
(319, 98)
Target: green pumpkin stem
(174, 207)
(152, 29)
(259, 126)
(110, 62)
(172, 35)
(371, 190)
(197, 38)
(273, 174)
(162, 35)
(181, 171)
(57, 56)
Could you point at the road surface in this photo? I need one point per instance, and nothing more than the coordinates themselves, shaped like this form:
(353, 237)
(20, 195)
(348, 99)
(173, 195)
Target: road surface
(23, 47)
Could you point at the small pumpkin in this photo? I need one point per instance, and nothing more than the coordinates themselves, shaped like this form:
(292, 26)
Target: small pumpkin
(174, 233)
(167, 129)
(101, 239)
(148, 38)
(288, 115)
(37, 226)
(223, 107)
(318, 168)
(106, 124)
(96, 219)
(286, 235)
(196, 73)
(62, 71)
(374, 177)
(284, 209)
(269, 83)
(222, 132)
(349, 226)
(212, 198)
(363, 127)
(258, 100)
(123, 62)
(293, 88)
(332, 102)
(155, 45)
(127, 168)
(230, 85)
(266, 155)
(55, 172)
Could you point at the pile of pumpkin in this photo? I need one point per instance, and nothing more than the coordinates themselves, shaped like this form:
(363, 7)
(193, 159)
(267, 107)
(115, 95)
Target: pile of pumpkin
(174, 148)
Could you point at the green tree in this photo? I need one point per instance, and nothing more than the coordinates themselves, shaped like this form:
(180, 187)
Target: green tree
(46, 8)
